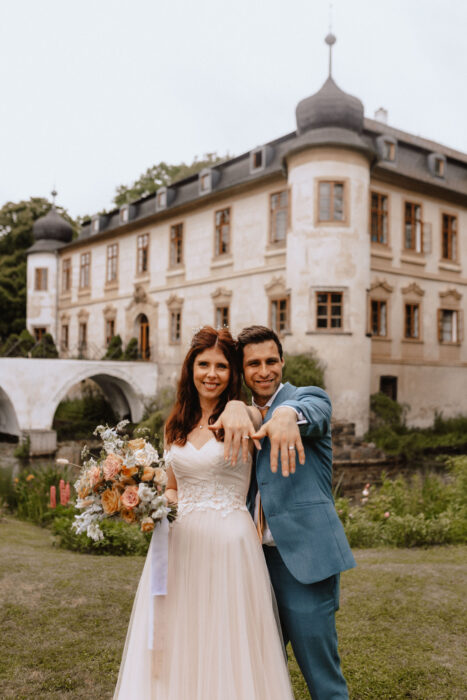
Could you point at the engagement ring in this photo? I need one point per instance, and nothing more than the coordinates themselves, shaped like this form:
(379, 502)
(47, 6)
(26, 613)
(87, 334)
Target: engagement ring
(245, 437)
(291, 447)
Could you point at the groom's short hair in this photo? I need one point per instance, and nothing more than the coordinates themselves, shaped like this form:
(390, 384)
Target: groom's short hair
(257, 334)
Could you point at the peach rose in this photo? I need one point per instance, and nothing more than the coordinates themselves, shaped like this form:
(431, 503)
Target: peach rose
(112, 465)
(130, 497)
(148, 474)
(94, 475)
(160, 476)
(129, 471)
(147, 524)
(128, 515)
(136, 444)
(110, 501)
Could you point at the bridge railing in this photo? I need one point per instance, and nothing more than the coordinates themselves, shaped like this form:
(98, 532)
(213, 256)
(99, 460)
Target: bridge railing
(90, 351)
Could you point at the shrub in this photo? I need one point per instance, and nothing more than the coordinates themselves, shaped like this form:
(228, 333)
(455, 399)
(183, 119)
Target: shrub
(32, 493)
(26, 342)
(114, 349)
(10, 346)
(21, 451)
(131, 350)
(45, 348)
(77, 418)
(304, 370)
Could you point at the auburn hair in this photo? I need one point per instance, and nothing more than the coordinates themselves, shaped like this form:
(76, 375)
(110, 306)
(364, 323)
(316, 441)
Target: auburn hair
(186, 412)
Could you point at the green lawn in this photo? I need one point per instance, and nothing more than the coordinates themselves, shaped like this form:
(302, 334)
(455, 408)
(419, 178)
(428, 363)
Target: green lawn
(64, 618)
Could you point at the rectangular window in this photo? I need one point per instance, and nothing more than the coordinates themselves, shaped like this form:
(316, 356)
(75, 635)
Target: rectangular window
(206, 182)
(412, 321)
(331, 201)
(279, 216)
(413, 227)
(222, 316)
(448, 326)
(66, 275)
(389, 150)
(176, 245)
(64, 336)
(222, 242)
(280, 322)
(40, 279)
(449, 237)
(109, 330)
(388, 386)
(258, 159)
(439, 167)
(175, 326)
(85, 270)
(83, 336)
(39, 332)
(112, 262)
(143, 253)
(378, 318)
(329, 310)
(379, 218)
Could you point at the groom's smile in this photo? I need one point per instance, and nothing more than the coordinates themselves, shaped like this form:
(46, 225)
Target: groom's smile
(262, 369)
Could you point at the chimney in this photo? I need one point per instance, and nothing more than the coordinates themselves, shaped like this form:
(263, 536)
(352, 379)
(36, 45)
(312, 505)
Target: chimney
(381, 115)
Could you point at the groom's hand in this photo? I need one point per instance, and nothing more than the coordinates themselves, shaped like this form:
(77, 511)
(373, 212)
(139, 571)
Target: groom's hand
(236, 422)
(284, 435)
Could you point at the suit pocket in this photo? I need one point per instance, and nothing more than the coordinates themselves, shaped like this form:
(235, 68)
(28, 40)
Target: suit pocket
(305, 504)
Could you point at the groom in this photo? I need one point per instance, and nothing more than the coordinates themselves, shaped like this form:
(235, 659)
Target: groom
(303, 540)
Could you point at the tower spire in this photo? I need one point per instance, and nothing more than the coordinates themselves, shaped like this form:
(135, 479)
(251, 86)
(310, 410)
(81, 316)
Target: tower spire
(54, 194)
(330, 39)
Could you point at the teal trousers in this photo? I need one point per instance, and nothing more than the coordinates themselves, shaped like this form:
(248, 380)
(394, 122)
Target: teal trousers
(307, 615)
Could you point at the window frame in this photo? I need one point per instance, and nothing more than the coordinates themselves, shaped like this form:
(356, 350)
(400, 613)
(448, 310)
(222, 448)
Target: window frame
(85, 270)
(66, 275)
(82, 337)
(39, 332)
(111, 270)
(413, 305)
(273, 239)
(109, 330)
(218, 232)
(142, 254)
(329, 303)
(456, 328)
(413, 223)
(175, 326)
(41, 279)
(379, 303)
(275, 315)
(221, 309)
(178, 227)
(345, 201)
(451, 218)
(381, 217)
(64, 337)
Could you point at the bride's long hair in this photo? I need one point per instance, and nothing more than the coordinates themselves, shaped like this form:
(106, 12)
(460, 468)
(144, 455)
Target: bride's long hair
(186, 412)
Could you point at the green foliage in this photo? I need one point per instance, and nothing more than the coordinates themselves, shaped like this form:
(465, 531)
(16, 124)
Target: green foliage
(114, 349)
(406, 513)
(22, 449)
(131, 350)
(388, 430)
(77, 418)
(45, 348)
(163, 174)
(32, 493)
(157, 413)
(119, 538)
(16, 221)
(304, 370)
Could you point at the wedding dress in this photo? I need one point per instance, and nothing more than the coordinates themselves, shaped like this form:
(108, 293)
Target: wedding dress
(216, 631)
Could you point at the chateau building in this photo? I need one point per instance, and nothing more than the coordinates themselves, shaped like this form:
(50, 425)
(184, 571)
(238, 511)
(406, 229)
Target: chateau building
(347, 236)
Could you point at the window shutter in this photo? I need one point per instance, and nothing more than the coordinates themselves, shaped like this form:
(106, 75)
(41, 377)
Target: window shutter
(460, 326)
(426, 229)
(440, 326)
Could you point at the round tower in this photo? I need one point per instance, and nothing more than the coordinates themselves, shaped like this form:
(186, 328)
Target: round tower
(51, 232)
(328, 248)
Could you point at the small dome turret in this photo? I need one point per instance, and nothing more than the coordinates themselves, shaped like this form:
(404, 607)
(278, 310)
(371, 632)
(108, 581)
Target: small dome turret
(52, 227)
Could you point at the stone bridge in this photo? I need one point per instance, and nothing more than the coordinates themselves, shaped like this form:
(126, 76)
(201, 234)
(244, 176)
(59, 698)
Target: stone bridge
(31, 389)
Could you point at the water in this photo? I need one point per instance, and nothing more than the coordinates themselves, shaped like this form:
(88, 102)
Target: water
(70, 450)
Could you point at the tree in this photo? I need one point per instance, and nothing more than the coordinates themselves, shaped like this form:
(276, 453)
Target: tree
(163, 174)
(16, 221)
(304, 370)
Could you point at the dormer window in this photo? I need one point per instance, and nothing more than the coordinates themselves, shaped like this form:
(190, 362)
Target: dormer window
(124, 214)
(161, 198)
(387, 148)
(437, 164)
(205, 182)
(95, 224)
(257, 159)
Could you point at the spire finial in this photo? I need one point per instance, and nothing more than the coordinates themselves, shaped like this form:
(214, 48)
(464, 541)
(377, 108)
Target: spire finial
(54, 194)
(330, 39)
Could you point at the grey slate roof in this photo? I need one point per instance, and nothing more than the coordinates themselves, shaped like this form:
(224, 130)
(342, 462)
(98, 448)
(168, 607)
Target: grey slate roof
(46, 246)
(410, 169)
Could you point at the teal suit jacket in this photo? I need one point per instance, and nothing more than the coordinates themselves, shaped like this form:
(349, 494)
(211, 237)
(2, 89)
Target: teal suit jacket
(300, 509)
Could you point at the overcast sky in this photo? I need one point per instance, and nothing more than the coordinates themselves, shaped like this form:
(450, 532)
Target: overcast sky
(96, 91)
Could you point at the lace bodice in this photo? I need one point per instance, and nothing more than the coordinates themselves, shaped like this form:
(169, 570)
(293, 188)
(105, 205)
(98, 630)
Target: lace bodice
(206, 481)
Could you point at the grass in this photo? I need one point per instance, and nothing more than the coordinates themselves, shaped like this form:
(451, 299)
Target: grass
(64, 617)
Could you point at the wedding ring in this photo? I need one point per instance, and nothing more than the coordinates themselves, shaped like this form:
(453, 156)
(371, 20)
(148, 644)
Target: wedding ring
(245, 437)
(291, 447)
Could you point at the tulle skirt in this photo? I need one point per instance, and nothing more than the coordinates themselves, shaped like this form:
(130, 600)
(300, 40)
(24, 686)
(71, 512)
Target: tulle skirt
(216, 632)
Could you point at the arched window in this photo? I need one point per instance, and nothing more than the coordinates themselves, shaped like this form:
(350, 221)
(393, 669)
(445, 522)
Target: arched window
(143, 345)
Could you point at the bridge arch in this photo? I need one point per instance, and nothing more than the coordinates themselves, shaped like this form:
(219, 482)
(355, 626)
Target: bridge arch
(8, 418)
(119, 390)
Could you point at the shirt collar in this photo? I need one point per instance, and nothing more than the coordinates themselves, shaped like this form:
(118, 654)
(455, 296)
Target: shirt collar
(270, 402)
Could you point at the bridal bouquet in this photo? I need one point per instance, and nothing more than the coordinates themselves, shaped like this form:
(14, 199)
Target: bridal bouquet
(126, 482)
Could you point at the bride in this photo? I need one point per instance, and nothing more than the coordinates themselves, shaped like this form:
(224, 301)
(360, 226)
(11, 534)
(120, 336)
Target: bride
(216, 632)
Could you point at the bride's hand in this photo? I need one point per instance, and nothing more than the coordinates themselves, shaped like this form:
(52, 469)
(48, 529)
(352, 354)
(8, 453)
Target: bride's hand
(237, 424)
(171, 495)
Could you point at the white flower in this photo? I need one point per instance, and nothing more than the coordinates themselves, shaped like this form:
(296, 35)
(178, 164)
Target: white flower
(62, 461)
